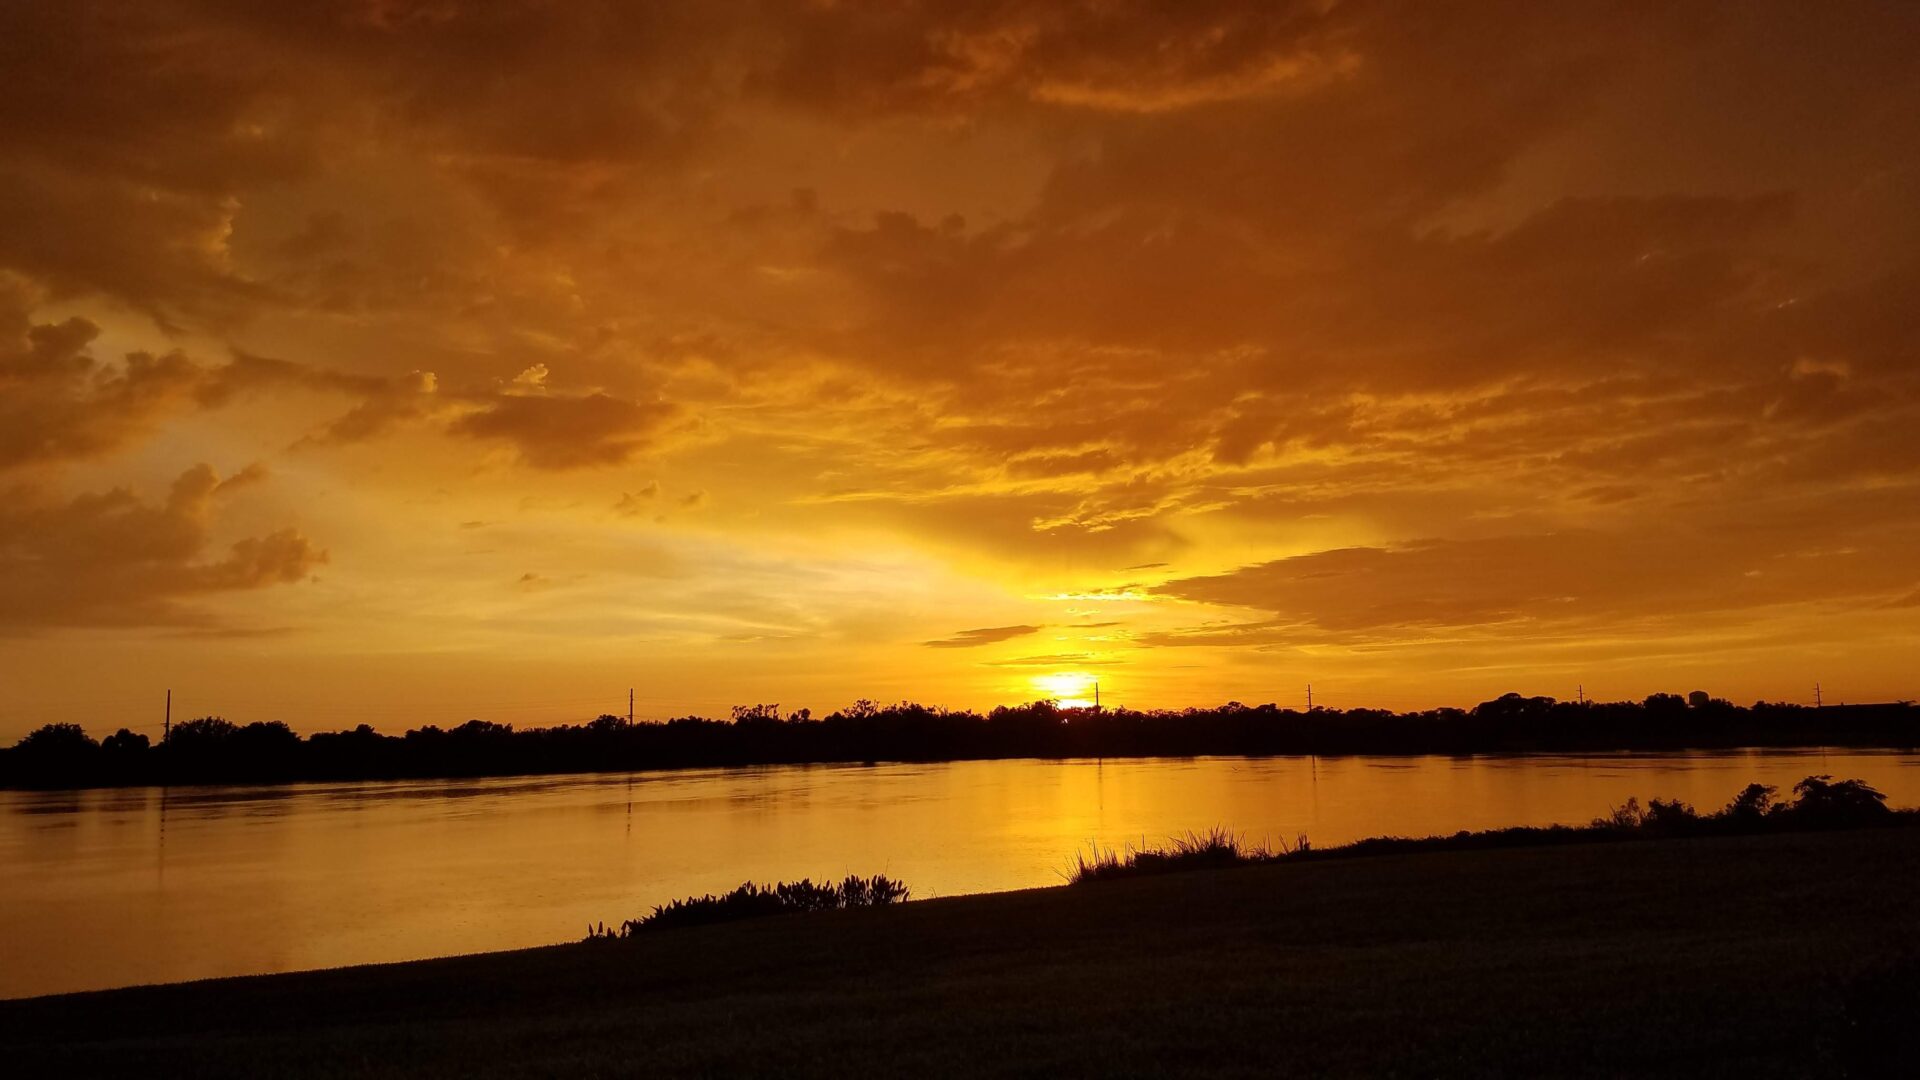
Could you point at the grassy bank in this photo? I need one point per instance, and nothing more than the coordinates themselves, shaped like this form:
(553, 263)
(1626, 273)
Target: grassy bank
(1817, 803)
(1761, 955)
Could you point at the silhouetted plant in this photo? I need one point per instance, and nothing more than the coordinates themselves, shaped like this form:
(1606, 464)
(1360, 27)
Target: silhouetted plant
(57, 739)
(1826, 803)
(1659, 815)
(1823, 803)
(751, 901)
(124, 742)
(1214, 849)
(1752, 805)
(201, 731)
(56, 753)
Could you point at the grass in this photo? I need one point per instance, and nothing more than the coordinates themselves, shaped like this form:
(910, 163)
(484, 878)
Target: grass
(1215, 849)
(1787, 954)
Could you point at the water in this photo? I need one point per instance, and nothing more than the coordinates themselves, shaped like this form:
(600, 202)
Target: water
(114, 888)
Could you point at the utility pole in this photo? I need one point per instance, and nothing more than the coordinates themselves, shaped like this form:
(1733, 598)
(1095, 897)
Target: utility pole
(1581, 692)
(1309, 697)
(629, 706)
(166, 725)
(1816, 696)
(1096, 695)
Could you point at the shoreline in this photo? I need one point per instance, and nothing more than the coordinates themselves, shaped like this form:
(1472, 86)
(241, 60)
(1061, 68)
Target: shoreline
(1726, 748)
(1627, 944)
(213, 749)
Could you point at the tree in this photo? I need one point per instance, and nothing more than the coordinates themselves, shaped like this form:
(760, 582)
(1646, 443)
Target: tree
(265, 736)
(57, 740)
(756, 714)
(201, 731)
(125, 743)
(56, 754)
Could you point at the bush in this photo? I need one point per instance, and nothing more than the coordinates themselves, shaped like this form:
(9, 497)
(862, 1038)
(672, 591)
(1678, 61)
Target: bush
(1822, 803)
(751, 901)
(1828, 804)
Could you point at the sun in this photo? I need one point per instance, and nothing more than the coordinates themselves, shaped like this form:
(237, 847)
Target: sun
(1072, 689)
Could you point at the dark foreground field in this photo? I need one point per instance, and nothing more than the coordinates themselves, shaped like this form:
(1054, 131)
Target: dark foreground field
(1779, 955)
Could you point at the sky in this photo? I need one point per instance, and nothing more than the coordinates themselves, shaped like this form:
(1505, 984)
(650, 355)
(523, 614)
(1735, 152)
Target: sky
(396, 362)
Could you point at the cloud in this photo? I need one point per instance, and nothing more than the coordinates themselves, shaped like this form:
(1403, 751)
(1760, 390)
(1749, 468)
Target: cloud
(57, 403)
(1072, 659)
(1551, 580)
(383, 402)
(967, 639)
(1123, 58)
(62, 404)
(633, 503)
(556, 432)
(1299, 292)
(113, 559)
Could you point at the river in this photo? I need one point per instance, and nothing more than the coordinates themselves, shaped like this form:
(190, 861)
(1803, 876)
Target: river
(107, 888)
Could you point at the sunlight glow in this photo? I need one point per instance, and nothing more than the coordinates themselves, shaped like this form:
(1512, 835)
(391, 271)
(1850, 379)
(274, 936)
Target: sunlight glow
(1072, 689)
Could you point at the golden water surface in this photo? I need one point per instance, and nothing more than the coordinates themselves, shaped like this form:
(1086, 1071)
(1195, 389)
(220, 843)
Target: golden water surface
(117, 887)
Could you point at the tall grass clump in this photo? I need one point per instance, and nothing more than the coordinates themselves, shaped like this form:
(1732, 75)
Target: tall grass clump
(751, 901)
(1216, 848)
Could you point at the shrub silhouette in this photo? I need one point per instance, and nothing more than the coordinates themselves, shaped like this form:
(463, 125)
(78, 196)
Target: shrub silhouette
(1659, 815)
(751, 901)
(1752, 805)
(1823, 803)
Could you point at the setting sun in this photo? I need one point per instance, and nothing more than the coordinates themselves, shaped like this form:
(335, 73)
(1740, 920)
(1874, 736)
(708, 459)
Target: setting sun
(1377, 473)
(1252, 347)
(1071, 689)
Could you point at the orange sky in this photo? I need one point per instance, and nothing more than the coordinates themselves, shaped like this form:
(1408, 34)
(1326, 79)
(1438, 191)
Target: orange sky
(404, 362)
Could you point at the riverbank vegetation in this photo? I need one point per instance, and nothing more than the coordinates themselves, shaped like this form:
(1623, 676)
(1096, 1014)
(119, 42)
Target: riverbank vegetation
(751, 901)
(1819, 802)
(1772, 955)
(215, 750)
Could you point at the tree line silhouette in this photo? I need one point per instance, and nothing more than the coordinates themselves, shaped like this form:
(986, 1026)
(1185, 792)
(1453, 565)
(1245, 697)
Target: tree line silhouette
(214, 750)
